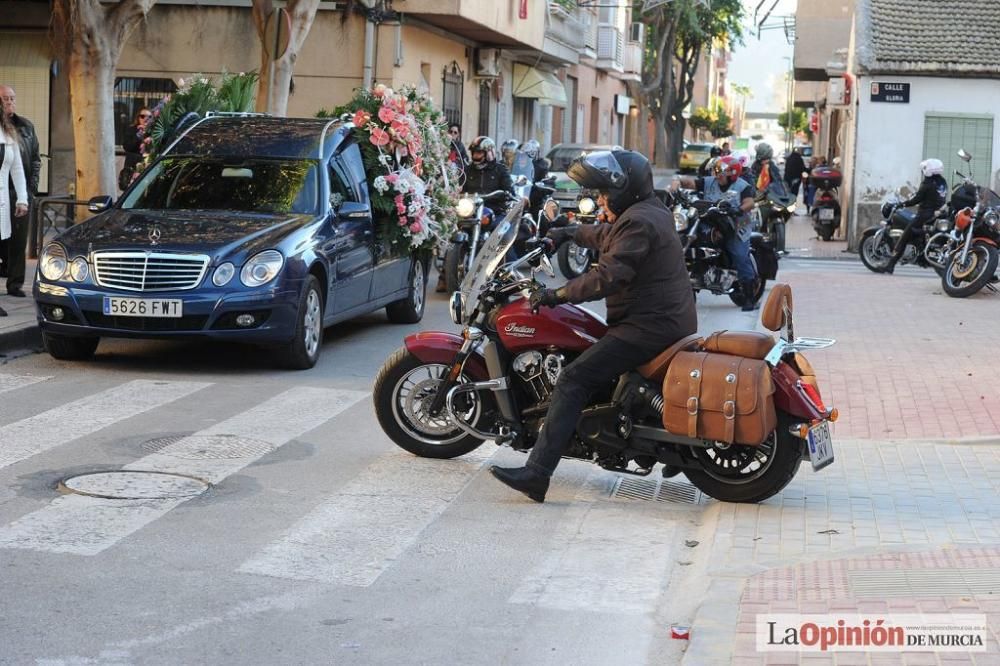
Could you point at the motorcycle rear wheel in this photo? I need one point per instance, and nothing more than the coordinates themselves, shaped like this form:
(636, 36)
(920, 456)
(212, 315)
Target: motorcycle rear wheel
(980, 266)
(403, 390)
(748, 474)
(739, 298)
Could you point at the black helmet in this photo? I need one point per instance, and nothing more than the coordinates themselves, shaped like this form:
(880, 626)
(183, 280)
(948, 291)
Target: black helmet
(624, 175)
(715, 152)
(764, 151)
(486, 146)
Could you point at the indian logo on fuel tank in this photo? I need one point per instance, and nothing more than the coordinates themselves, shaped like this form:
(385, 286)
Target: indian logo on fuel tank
(518, 331)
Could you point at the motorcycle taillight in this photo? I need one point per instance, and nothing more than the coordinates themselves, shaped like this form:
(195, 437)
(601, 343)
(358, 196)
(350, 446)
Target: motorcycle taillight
(813, 396)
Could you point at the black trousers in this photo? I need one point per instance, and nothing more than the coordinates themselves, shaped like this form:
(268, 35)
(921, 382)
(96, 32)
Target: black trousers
(912, 229)
(580, 380)
(12, 250)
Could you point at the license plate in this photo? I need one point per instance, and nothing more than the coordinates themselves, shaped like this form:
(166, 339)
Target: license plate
(143, 307)
(826, 213)
(820, 446)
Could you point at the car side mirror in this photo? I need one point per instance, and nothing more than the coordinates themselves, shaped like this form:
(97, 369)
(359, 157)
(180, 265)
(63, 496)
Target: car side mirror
(97, 204)
(353, 210)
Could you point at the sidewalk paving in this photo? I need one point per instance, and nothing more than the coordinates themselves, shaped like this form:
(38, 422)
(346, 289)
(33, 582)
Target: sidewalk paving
(801, 241)
(19, 329)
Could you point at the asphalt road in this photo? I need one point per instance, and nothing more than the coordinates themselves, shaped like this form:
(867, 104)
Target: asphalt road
(319, 541)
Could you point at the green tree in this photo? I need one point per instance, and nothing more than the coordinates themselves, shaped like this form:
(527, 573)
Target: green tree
(678, 33)
(702, 118)
(796, 120)
(722, 126)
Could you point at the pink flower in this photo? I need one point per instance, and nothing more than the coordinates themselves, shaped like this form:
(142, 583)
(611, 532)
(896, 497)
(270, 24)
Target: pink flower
(379, 90)
(392, 178)
(361, 118)
(401, 129)
(386, 115)
(379, 137)
(400, 204)
(416, 228)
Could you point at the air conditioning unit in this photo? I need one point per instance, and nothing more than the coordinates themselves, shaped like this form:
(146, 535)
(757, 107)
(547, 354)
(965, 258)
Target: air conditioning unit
(637, 33)
(487, 63)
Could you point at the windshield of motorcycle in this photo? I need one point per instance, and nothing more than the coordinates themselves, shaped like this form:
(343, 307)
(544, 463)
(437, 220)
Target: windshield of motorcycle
(988, 198)
(492, 255)
(522, 166)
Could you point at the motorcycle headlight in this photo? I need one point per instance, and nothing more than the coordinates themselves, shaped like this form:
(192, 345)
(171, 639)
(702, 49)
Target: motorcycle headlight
(680, 220)
(990, 218)
(465, 207)
(53, 262)
(79, 270)
(262, 268)
(223, 274)
(943, 225)
(791, 208)
(586, 206)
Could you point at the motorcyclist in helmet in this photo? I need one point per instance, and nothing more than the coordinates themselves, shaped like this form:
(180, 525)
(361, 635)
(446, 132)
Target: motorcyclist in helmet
(930, 196)
(737, 195)
(704, 169)
(641, 273)
(764, 172)
(508, 150)
(484, 173)
(533, 150)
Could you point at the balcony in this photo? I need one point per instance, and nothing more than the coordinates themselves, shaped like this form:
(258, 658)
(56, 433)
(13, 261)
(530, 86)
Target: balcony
(610, 48)
(588, 36)
(562, 35)
(633, 62)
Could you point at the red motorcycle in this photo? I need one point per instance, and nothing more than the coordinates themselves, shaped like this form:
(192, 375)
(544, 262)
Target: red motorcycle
(736, 411)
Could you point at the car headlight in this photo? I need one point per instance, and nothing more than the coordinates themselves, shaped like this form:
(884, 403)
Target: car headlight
(262, 268)
(53, 262)
(586, 206)
(223, 274)
(465, 208)
(79, 270)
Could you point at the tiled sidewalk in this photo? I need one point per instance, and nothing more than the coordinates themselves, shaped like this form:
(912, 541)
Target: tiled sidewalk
(802, 243)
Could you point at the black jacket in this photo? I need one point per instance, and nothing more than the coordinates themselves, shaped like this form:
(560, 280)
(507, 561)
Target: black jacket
(494, 176)
(30, 156)
(132, 147)
(794, 166)
(642, 275)
(930, 196)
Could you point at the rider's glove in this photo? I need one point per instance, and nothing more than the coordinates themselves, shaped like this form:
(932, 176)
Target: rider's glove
(727, 207)
(547, 244)
(559, 235)
(547, 297)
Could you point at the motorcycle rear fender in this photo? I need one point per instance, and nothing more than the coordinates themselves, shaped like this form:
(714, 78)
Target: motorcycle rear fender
(984, 239)
(442, 347)
(789, 396)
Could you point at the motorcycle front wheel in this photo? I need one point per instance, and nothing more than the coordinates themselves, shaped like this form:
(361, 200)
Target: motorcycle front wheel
(737, 473)
(874, 255)
(404, 390)
(962, 279)
(574, 260)
(454, 266)
(779, 236)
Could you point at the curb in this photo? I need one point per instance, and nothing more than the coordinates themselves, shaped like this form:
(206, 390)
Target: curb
(20, 339)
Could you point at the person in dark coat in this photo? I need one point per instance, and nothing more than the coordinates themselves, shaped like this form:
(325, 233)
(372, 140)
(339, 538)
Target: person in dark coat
(485, 173)
(457, 154)
(642, 276)
(794, 166)
(12, 250)
(132, 145)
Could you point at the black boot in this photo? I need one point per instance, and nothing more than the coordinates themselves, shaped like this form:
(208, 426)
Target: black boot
(749, 288)
(523, 479)
(441, 286)
(891, 266)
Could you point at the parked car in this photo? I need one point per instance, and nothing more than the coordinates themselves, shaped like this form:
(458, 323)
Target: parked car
(694, 154)
(248, 228)
(562, 155)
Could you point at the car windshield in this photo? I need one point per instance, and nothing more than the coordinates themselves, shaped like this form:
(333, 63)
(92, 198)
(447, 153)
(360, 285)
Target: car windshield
(493, 252)
(243, 185)
(561, 158)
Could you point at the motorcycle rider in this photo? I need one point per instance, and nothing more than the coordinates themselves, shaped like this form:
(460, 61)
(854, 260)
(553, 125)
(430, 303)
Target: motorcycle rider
(737, 196)
(930, 196)
(705, 168)
(764, 173)
(484, 173)
(508, 150)
(650, 304)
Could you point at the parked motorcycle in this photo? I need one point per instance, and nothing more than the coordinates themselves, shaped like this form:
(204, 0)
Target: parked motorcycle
(704, 227)
(971, 262)
(826, 204)
(926, 249)
(739, 439)
(475, 221)
(775, 206)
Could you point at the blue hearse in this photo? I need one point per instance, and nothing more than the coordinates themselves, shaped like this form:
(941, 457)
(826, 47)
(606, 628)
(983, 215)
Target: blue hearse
(248, 228)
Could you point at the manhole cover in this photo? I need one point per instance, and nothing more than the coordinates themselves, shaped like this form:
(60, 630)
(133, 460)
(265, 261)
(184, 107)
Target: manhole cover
(656, 490)
(208, 447)
(135, 484)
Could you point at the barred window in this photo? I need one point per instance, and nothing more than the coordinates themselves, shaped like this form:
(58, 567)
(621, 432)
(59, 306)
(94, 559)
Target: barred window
(451, 100)
(131, 94)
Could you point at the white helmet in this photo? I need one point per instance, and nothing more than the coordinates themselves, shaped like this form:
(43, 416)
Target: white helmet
(931, 167)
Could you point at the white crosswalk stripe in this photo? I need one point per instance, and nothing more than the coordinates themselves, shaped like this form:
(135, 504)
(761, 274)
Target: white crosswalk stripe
(14, 382)
(86, 525)
(29, 437)
(355, 535)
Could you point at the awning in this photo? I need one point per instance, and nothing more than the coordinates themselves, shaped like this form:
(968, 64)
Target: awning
(537, 84)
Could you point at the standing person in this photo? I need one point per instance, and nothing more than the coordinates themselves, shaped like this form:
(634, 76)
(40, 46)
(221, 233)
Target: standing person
(650, 304)
(457, 155)
(21, 138)
(13, 185)
(726, 149)
(794, 166)
(132, 145)
(930, 196)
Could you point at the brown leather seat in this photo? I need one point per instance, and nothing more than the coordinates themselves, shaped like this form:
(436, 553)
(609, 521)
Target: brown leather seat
(777, 308)
(656, 369)
(749, 344)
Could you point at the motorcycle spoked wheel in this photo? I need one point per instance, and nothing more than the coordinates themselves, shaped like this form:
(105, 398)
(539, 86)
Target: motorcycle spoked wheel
(454, 266)
(874, 256)
(738, 473)
(404, 389)
(963, 279)
(573, 260)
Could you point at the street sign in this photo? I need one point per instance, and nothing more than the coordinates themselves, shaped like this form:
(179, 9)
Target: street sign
(277, 30)
(895, 93)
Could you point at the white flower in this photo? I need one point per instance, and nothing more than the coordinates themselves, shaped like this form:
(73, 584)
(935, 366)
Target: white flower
(381, 184)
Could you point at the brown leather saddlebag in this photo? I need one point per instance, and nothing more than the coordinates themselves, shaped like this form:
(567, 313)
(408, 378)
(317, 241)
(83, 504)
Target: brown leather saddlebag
(719, 397)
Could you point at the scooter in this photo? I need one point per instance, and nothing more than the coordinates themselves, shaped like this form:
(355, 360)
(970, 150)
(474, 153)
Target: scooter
(826, 204)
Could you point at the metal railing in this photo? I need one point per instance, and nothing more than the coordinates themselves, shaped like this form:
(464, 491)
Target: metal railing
(50, 215)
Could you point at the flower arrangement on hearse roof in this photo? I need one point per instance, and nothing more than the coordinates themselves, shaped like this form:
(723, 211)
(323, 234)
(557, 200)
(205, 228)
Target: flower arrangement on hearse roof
(404, 145)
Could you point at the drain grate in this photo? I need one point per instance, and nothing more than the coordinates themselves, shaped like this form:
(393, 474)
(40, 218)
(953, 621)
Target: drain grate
(656, 490)
(208, 447)
(924, 582)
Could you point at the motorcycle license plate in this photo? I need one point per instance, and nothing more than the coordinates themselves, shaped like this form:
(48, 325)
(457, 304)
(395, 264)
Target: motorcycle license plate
(820, 446)
(826, 213)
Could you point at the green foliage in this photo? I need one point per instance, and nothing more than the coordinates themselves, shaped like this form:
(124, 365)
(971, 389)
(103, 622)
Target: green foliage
(797, 120)
(714, 119)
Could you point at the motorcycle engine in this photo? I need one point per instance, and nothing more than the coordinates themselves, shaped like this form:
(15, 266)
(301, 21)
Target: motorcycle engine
(539, 372)
(910, 253)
